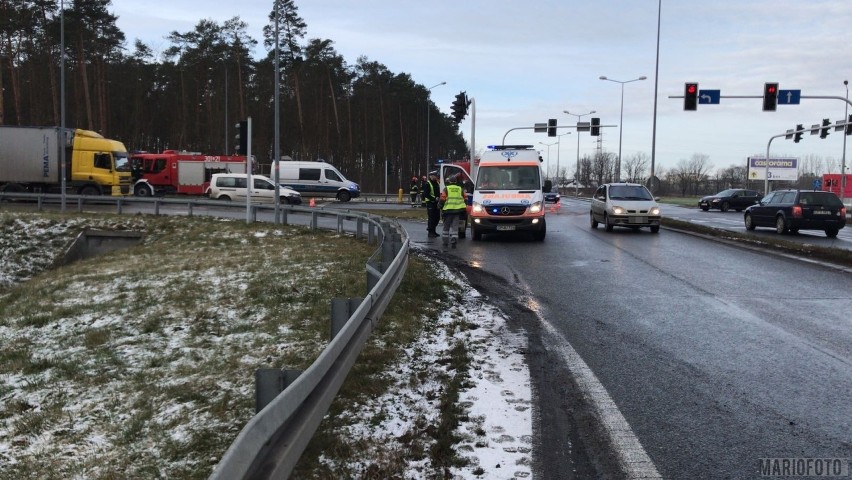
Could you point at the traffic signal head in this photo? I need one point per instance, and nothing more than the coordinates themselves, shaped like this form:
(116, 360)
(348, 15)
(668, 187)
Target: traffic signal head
(690, 96)
(460, 107)
(595, 129)
(551, 127)
(823, 132)
(242, 137)
(849, 125)
(798, 135)
(770, 97)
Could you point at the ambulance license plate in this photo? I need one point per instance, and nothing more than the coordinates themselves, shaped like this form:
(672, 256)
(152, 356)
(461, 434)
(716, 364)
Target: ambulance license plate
(505, 228)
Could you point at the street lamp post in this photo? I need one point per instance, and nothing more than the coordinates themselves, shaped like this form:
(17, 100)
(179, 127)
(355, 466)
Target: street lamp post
(428, 123)
(577, 172)
(621, 122)
(558, 148)
(843, 160)
(548, 145)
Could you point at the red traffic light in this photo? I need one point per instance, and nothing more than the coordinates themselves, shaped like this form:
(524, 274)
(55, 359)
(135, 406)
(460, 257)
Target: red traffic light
(770, 96)
(690, 97)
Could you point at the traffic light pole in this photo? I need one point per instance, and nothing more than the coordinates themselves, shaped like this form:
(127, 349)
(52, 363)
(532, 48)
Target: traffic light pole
(785, 134)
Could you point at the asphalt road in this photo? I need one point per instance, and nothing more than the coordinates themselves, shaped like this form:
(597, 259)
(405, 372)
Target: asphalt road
(715, 356)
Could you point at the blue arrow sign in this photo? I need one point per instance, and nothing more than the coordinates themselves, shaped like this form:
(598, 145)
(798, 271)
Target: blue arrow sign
(709, 97)
(789, 97)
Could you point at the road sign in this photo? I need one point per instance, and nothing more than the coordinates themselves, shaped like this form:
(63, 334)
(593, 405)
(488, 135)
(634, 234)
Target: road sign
(789, 97)
(583, 126)
(779, 168)
(817, 184)
(709, 97)
(540, 127)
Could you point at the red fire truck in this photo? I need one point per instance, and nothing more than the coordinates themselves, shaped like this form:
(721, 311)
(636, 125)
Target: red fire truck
(833, 182)
(180, 172)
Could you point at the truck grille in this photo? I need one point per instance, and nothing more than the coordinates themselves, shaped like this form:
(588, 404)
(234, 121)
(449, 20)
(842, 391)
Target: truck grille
(505, 210)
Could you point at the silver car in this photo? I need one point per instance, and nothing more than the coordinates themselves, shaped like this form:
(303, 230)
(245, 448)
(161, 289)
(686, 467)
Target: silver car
(624, 205)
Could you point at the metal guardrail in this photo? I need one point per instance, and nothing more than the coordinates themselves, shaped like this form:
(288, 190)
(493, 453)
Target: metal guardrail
(270, 444)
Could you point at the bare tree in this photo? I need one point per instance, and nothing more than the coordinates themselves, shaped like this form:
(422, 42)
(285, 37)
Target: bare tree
(635, 167)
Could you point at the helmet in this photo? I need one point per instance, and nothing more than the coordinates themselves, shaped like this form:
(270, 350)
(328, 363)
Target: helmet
(413, 179)
(433, 173)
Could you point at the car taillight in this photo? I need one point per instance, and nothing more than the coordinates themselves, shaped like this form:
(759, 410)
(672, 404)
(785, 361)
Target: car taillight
(843, 212)
(797, 210)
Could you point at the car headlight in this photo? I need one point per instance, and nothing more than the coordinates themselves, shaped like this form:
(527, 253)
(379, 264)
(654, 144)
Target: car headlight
(477, 208)
(654, 211)
(535, 207)
(616, 210)
(715, 200)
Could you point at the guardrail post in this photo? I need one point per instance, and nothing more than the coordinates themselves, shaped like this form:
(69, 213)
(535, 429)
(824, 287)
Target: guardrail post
(189, 210)
(359, 228)
(340, 224)
(314, 218)
(253, 216)
(40, 203)
(156, 206)
(118, 204)
(341, 310)
(371, 234)
(269, 383)
(80, 205)
(387, 255)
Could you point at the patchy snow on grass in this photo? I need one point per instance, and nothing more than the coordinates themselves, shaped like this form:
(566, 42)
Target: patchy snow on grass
(67, 408)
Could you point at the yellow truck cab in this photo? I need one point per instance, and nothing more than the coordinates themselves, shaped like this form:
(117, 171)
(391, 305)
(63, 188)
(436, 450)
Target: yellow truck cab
(508, 194)
(99, 165)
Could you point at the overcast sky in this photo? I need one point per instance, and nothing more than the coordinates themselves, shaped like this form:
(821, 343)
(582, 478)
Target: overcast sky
(524, 62)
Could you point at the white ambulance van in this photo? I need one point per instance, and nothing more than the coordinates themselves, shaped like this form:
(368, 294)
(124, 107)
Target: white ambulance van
(508, 194)
(315, 179)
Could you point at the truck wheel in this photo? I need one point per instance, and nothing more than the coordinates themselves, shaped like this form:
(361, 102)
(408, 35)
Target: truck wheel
(90, 191)
(343, 196)
(142, 190)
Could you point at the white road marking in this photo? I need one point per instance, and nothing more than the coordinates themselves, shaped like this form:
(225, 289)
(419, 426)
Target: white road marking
(631, 456)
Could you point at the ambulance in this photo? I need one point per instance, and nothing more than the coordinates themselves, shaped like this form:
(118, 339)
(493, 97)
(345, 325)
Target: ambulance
(508, 194)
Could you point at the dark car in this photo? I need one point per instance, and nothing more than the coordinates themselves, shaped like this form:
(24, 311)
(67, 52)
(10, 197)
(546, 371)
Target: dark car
(794, 210)
(736, 198)
(551, 197)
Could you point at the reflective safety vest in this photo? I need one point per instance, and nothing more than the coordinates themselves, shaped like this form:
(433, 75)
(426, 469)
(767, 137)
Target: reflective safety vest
(414, 188)
(455, 199)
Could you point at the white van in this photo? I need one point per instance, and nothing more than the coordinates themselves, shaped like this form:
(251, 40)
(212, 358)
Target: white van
(232, 186)
(315, 179)
(509, 192)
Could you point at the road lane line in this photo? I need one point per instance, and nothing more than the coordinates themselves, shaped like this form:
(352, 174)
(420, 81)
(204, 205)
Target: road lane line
(631, 456)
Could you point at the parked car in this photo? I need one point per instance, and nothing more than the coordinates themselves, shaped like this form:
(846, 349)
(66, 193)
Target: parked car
(736, 198)
(624, 205)
(232, 186)
(794, 210)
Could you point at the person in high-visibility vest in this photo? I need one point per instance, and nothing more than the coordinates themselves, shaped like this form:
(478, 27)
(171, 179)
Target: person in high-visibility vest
(430, 191)
(452, 199)
(413, 191)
